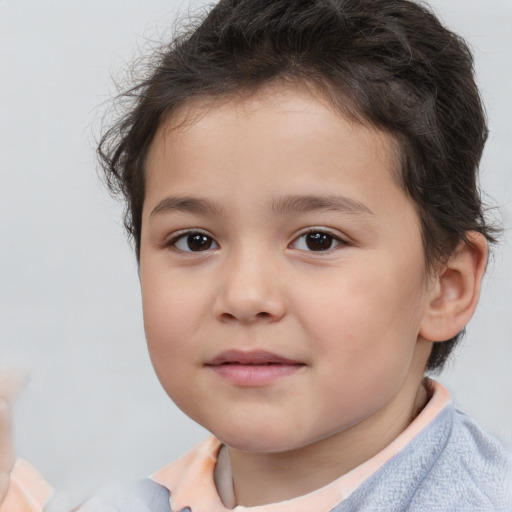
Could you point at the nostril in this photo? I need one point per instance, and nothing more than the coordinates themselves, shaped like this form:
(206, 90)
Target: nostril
(228, 316)
(263, 315)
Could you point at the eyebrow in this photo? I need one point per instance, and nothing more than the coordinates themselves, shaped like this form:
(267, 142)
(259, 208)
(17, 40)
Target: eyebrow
(281, 206)
(304, 204)
(187, 204)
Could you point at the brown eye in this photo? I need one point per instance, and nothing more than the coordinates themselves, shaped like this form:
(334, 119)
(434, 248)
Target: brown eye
(319, 241)
(194, 242)
(316, 241)
(199, 242)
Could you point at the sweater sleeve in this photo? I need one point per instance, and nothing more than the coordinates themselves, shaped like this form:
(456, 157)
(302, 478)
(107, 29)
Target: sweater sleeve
(28, 491)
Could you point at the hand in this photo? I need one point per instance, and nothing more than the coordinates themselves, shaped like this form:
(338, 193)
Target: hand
(11, 383)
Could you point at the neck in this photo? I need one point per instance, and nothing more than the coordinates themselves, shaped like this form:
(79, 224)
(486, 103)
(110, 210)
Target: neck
(262, 478)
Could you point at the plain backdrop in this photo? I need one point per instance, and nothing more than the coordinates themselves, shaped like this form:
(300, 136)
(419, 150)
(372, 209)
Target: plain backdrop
(69, 296)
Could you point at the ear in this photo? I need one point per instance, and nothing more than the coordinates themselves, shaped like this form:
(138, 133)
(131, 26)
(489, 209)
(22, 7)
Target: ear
(455, 290)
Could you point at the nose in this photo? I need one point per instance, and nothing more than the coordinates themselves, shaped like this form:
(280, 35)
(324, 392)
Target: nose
(250, 289)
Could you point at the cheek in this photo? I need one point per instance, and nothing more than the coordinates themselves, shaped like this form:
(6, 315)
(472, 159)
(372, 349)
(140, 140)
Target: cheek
(169, 302)
(171, 315)
(365, 321)
(363, 345)
(168, 325)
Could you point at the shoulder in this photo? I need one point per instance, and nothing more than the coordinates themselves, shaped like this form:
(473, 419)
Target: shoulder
(451, 465)
(143, 496)
(473, 452)
(469, 471)
(186, 482)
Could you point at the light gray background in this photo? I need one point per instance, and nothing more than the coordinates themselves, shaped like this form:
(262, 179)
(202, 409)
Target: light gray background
(69, 296)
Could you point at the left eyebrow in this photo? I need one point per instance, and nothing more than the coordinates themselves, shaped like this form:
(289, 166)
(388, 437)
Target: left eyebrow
(189, 204)
(304, 204)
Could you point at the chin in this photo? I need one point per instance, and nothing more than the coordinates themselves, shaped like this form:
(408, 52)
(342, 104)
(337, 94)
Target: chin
(250, 438)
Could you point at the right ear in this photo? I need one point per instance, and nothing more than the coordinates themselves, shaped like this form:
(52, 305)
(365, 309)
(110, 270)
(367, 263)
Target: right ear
(456, 290)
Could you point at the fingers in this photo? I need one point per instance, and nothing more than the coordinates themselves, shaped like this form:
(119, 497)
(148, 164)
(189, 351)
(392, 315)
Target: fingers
(11, 383)
(6, 449)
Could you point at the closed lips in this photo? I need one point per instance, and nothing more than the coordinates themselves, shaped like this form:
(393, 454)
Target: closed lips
(257, 358)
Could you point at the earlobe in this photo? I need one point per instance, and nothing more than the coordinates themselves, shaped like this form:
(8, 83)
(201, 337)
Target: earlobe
(456, 290)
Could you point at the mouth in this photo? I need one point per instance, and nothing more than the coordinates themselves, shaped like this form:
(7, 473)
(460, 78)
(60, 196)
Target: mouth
(253, 368)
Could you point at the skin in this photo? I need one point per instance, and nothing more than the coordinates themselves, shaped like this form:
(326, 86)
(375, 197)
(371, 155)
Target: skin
(358, 317)
(6, 451)
(11, 384)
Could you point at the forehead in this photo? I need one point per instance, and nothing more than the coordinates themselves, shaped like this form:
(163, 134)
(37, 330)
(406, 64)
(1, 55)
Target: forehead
(296, 125)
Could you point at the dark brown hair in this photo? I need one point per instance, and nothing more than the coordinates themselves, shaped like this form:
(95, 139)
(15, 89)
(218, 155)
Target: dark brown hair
(387, 63)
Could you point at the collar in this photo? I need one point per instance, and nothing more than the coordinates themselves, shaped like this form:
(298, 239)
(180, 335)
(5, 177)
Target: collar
(201, 479)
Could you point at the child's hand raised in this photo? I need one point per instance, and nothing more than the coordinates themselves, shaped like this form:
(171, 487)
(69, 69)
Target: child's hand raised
(11, 383)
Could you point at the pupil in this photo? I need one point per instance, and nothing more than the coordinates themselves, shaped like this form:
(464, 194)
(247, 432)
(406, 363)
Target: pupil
(318, 241)
(199, 242)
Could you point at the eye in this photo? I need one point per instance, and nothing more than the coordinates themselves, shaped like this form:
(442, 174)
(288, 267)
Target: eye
(195, 241)
(317, 240)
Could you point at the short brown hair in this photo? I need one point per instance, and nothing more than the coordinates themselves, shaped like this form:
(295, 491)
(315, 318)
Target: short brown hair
(388, 63)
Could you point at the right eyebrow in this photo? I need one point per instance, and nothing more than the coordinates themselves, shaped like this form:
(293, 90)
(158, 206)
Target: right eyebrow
(198, 205)
(308, 203)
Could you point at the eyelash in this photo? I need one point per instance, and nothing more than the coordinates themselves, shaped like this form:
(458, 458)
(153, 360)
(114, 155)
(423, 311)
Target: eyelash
(184, 235)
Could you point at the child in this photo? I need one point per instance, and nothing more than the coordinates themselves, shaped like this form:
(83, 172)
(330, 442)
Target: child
(300, 179)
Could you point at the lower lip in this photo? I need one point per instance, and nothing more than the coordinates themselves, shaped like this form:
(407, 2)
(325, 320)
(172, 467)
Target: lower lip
(254, 374)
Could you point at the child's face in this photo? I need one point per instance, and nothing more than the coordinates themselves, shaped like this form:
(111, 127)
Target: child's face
(282, 273)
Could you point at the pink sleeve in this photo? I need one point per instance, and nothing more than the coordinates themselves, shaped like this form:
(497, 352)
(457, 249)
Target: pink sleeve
(28, 490)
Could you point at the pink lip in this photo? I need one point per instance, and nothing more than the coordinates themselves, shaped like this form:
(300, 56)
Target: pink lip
(255, 368)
